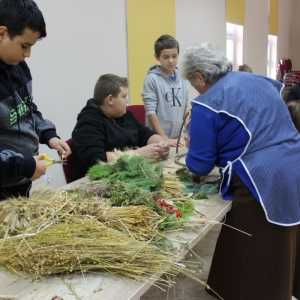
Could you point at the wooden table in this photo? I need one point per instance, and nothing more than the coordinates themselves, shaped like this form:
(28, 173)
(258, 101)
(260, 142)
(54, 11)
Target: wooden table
(78, 287)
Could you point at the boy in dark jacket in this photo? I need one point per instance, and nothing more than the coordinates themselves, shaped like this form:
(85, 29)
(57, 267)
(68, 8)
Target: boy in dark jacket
(22, 126)
(104, 125)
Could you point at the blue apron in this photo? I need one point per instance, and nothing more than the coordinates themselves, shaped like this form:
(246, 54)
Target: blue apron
(272, 155)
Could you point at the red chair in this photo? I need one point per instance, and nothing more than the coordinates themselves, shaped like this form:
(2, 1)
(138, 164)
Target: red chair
(68, 166)
(288, 66)
(291, 75)
(290, 81)
(139, 112)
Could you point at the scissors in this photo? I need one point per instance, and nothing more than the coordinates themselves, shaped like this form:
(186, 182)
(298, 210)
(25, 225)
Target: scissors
(52, 161)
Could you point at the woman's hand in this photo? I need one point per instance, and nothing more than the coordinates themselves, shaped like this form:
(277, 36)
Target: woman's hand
(62, 147)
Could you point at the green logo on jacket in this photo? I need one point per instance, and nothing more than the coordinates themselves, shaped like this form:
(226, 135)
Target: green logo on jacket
(22, 110)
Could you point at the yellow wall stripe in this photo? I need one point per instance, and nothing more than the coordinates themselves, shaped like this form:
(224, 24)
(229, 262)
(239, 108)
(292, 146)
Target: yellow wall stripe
(146, 22)
(235, 11)
(273, 17)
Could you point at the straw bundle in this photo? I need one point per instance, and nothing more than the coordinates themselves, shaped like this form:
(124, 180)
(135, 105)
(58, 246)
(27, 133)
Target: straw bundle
(17, 214)
(84, 245)
(138, 221)
(22, 215)
(172, 185)
(76, 231)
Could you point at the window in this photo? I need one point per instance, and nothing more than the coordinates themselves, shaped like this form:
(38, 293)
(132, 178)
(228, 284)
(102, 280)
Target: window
(272, 56)
(234, 44)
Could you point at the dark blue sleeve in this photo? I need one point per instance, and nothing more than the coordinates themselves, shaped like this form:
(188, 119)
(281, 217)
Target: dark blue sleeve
(202, 152)
(14, 165)
(215, 139)
(44, 128)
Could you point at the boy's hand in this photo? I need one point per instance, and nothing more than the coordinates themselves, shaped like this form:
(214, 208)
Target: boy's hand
(150, 151)
(40, 168)
(164, 149)
(62, 147)
(173, 142)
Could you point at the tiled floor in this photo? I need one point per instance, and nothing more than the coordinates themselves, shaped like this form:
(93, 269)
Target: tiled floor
(186, 288)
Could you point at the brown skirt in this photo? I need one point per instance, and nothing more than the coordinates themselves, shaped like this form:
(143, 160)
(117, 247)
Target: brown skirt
(296, 287)
(257, 267)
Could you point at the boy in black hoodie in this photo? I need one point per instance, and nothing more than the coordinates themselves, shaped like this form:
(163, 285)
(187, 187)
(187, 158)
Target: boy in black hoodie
(104, 124)
(22, 126)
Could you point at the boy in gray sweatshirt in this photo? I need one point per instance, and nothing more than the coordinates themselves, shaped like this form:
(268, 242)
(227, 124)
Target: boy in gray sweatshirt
(165, 93)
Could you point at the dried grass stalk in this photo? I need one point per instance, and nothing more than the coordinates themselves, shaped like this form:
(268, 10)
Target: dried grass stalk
(172, 186)
(85, 234)
(84, 245)
(22, 215)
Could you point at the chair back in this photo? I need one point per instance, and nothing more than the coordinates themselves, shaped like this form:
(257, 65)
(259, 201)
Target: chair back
(68, 166)
(139, 112)
(288, 65)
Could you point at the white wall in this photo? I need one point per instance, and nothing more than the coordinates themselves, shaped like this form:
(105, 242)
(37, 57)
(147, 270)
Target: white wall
(85, 40)
(294, 37)
(255, 38)
(200, 21)
(286, 8)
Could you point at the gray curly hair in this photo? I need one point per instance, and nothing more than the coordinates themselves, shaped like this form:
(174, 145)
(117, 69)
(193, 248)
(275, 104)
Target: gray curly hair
(207, 59)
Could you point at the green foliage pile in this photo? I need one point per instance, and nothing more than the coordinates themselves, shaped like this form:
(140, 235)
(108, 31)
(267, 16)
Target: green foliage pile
(209, 188)
(201, 196)
(191, 187)
(120, 194)
(135, 171)
(184, 175)
(134, 180)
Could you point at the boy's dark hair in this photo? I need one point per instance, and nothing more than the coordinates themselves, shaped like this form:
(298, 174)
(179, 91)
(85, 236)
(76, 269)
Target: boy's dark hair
(17, 15)
(245, 68)
(108, 84)
(165, 42)
(294, 109)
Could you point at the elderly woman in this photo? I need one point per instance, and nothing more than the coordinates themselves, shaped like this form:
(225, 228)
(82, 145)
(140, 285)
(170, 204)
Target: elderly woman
(240, 123)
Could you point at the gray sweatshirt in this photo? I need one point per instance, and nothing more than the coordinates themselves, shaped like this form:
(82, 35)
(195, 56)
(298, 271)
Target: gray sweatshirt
(166, 99)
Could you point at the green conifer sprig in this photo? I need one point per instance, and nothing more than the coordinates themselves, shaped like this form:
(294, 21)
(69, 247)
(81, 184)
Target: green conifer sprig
(136, 171)
(120, 194)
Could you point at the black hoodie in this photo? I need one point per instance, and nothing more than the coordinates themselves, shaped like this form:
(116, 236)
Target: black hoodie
(22, 126)
(95, 134)
(294, 93)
